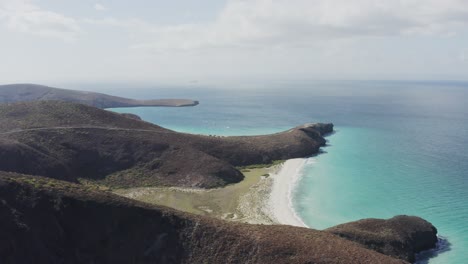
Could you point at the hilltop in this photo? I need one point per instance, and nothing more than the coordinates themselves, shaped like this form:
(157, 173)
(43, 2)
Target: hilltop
(71, 141)
(12, 93)
(49, 221)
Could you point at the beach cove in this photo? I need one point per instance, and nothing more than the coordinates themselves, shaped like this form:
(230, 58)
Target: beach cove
(387, 157)
(263, 197)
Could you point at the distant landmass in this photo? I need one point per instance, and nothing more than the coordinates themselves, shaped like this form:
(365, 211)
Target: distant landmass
(12, 93)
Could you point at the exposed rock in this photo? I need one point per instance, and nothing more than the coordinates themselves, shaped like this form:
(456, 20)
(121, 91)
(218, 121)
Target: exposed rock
(401, 236)
(322, 128)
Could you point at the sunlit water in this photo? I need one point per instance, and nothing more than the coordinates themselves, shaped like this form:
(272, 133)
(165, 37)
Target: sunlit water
(399, 147)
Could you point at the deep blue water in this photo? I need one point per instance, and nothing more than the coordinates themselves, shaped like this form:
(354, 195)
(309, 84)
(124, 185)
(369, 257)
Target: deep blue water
(399, 147)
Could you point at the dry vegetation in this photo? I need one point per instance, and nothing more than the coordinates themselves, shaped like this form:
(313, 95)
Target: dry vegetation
(49, 221)
(68, 141)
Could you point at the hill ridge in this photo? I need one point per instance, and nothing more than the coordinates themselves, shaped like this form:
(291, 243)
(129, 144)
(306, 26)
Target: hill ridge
(11, 93)
(66, 140)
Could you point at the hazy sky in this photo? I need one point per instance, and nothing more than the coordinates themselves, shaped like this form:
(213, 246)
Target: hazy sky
(43, 41)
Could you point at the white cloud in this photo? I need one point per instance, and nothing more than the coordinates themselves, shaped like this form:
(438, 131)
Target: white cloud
(260, 23)
(99, 7)
(25, 17)
(246, 39)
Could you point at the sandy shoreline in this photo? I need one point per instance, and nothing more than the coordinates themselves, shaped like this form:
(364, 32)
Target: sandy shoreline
(280, 200)
(263, 197)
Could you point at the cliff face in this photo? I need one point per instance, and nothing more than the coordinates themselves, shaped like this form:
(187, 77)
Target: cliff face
(401, 236)
(68, 141)
(48, 221)
(31, 92)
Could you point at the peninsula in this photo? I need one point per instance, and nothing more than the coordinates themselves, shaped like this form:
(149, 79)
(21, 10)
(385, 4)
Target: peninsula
(70, 141)
(60, 163)
(32, 92)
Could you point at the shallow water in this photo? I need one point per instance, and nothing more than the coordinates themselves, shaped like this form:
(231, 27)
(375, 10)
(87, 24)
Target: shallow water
(399, 147)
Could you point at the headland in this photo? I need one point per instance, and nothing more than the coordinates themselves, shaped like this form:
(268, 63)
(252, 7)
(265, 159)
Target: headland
(13, 93)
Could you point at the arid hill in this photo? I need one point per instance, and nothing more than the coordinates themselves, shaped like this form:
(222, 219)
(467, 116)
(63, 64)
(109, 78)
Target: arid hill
(12, 93)
(49, 221)
(401, 236)
(68, 141)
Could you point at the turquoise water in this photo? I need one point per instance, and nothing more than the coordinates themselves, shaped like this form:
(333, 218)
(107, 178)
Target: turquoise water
(399, 147)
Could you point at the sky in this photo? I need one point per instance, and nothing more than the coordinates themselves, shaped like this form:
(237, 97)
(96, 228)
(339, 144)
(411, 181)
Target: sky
(220, 41)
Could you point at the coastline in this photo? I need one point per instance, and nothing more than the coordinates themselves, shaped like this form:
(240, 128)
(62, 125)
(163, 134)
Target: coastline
(280, 201)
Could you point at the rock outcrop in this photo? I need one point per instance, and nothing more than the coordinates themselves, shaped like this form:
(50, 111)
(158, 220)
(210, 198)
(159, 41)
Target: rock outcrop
(401, 236)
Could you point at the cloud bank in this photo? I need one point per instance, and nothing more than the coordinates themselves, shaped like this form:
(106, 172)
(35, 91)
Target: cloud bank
(257, 23)
(26, 17)
(254, 23)
(319, 39)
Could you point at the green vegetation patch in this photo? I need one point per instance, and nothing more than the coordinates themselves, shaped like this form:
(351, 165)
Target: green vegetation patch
(259, 166)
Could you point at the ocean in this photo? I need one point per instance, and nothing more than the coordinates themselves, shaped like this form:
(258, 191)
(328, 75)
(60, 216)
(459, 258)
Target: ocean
(399, 147)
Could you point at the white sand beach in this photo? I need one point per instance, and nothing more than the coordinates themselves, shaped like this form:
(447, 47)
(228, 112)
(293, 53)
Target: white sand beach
(280, 203)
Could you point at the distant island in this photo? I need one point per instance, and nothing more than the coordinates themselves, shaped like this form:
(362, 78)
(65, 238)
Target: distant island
(12, 93)
(63, 165)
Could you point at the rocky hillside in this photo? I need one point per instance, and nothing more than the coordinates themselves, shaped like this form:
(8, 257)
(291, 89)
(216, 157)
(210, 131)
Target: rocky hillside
(31, 92)
(68, 141)
(48, 221)
(400, 236)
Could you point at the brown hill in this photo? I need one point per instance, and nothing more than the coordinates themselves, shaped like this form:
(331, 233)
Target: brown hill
(12, 93)
(66, 141)
(48, 221)
(401, 236)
